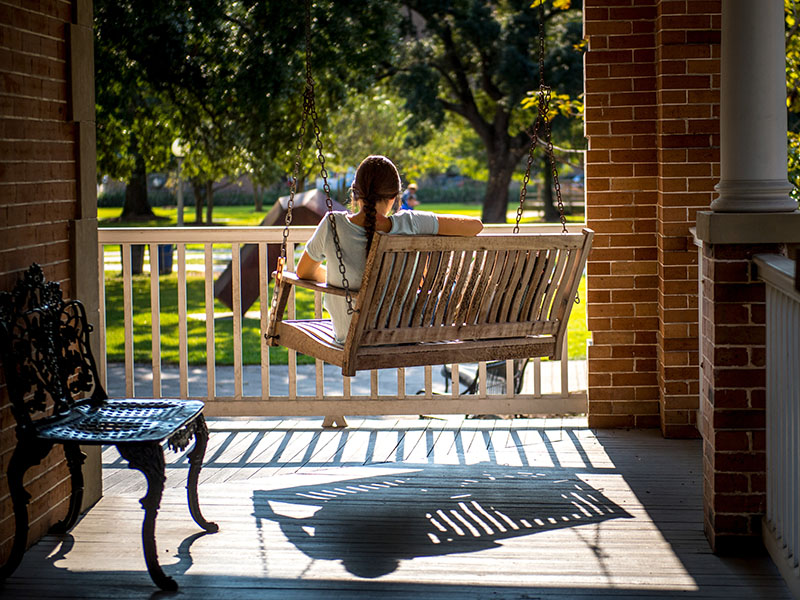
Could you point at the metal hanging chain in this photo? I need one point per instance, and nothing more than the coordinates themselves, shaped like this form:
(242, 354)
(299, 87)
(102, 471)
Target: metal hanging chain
(309, 109)
(523, 192)
(327, 188)
(543, 107)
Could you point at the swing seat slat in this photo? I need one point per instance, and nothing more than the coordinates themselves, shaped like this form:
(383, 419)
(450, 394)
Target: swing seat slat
(427, 300)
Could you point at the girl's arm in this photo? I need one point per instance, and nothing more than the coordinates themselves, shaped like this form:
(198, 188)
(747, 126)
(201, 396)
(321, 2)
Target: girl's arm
(311, 269)
(459, 225)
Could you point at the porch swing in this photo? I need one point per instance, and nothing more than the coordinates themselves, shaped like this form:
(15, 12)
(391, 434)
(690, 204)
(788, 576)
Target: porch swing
(428, 300)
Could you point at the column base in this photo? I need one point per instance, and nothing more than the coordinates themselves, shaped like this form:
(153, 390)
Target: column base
(748, 228)
(753, 196)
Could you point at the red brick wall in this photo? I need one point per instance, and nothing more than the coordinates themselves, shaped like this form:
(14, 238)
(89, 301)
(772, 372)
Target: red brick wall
(734, 398)
(38, 199)
(621, 206)
(652, 87)
(687, 90)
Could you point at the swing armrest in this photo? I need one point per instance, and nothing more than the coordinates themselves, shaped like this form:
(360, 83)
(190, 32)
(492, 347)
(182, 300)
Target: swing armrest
(315, 286)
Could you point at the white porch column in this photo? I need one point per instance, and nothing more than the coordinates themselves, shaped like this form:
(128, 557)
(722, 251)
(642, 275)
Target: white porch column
(753, 162)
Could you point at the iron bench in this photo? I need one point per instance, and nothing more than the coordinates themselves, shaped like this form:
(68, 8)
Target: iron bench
(56, 398)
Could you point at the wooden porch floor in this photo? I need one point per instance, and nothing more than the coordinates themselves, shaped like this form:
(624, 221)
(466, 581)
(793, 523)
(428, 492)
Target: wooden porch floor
(409, 508)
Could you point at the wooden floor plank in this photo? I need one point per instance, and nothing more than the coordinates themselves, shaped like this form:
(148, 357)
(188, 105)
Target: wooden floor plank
(409, 508)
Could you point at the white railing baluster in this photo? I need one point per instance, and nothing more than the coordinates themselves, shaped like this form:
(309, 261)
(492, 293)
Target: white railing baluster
(211, 353)
(428, 381)
(356, 398)
(263, 288)
(155, 321)
(236, 297)
(401, 382)
(183, 353)
(509, 391)
(319, 377)
(127, 315)
(101, 333)
(782, 520)
(564, 364)
(292, 315)
(373, 384)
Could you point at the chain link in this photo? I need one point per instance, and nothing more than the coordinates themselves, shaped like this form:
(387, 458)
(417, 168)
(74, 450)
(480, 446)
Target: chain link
(543, 107)
(309, 110)
(523, 192)
(327, 189)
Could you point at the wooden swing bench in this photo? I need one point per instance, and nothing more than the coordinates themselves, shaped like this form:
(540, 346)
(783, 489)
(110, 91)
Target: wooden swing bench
(427, 300)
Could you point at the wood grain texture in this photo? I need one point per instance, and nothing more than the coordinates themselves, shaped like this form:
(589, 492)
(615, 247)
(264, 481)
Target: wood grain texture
(490, 292)
(410, 508)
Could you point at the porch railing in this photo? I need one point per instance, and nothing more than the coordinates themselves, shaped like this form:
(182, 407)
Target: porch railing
(782, 521)
(291, 390)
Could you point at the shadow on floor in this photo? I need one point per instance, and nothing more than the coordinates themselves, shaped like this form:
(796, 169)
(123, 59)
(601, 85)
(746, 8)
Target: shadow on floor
(371, 524)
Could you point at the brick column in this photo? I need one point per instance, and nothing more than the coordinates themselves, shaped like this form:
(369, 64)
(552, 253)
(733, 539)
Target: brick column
(687, 80)
(753, 214)
(734, 395)
(621, 206)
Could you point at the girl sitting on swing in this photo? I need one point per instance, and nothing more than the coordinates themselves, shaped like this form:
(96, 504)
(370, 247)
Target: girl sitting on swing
(375, 191)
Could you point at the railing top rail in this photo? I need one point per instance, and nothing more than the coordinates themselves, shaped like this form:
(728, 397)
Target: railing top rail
(249, 235)
(779, 272)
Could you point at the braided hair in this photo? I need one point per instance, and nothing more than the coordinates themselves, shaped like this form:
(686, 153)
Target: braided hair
(376, 180)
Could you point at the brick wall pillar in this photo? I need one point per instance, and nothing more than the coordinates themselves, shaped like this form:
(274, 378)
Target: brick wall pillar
(687, 91)
(652, 110)
(734, 396)
(621, 206)
(752, 214)
(39, 201)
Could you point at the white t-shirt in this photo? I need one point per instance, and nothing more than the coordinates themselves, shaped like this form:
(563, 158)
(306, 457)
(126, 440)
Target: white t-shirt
(353, 242)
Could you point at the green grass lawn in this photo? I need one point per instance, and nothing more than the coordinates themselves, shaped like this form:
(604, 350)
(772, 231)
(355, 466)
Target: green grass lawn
(196, 325)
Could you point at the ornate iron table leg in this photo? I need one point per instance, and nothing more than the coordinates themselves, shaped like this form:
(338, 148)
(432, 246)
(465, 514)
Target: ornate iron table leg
(195, 464)
(148, 457)
(26, 455)
(75, 459)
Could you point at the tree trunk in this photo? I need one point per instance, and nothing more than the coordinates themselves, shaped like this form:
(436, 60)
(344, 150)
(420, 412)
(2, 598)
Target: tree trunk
(551, 215)
(495, 204)
(136, 204)
(198, 190)
(258, 198)
(209, 202)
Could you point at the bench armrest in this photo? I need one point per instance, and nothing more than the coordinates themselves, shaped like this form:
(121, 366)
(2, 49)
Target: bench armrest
(315, 286)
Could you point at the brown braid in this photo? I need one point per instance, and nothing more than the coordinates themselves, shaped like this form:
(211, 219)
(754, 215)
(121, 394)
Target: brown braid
(376, 179)
(370, 219)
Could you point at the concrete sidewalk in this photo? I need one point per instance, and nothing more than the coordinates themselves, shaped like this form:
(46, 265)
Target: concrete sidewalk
(306, 380)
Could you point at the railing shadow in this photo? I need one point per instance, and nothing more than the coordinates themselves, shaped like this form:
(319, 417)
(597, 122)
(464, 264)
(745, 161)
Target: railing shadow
(294, 447)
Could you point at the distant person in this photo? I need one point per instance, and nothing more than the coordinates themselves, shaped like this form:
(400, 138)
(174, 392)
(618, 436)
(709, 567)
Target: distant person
(409, 198)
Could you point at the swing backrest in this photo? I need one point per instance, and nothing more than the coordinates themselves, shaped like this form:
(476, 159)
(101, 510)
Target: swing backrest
(489, 287)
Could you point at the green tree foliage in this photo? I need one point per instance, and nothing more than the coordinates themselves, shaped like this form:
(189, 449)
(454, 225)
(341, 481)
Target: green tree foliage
(793, 91)
(134, 125)
(376, 122)
(478, 60)
(227, 78)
